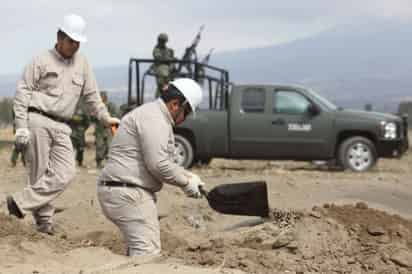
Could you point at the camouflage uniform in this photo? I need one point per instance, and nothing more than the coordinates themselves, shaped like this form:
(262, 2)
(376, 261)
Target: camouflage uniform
(126, 107)
(15, 156)
(103, 135)
(163, 71)
(80, 122)
(15, 152)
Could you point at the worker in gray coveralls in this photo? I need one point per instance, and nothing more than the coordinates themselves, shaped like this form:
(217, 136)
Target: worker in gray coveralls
(140, 160)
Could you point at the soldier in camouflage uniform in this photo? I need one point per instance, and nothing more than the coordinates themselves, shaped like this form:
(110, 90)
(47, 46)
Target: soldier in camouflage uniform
(163, 70)
(15, 156)
(15, 152)
(79, 123)
(126, 107)
(103, 134)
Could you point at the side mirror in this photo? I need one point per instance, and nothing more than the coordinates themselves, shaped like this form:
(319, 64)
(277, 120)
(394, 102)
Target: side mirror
(313, 110)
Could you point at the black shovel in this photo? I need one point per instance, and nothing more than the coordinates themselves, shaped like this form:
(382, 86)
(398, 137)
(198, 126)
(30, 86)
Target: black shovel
(248, 198)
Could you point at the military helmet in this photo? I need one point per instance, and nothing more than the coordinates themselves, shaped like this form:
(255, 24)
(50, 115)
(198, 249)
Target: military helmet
(103, 95)
(163, 36)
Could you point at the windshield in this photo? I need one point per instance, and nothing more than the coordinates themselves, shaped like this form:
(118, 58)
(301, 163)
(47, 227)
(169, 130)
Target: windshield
(323, 100)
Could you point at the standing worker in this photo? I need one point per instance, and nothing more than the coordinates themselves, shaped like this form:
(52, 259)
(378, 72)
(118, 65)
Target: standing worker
(45, 100)
(163, 69)
(103, 134)
(79, 124)
(140, 160)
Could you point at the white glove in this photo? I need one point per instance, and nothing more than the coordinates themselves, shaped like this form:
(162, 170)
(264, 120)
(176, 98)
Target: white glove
(192, 188)
(22, 138)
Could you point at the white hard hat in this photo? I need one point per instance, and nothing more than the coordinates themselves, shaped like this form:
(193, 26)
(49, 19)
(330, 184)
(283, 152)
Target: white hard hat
(74, 25)
(190, 90)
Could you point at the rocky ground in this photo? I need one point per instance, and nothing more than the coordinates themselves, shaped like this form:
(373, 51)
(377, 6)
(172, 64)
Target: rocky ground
(321, 221)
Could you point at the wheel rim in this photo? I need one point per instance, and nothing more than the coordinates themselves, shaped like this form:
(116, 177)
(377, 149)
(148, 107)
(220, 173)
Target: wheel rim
(180, 154)
(360, 156)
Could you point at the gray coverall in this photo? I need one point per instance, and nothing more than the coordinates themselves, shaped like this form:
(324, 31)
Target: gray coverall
(141, 155)
(47, 95)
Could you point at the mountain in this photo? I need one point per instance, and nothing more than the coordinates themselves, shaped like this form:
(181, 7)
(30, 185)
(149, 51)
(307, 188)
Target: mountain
(8, 85)
(352, 65)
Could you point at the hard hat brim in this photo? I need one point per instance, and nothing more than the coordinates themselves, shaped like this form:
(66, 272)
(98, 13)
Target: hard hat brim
(75, 37)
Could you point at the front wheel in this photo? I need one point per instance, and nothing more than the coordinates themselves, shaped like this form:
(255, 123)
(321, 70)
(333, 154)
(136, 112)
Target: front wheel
(357, 154)
(184, 152)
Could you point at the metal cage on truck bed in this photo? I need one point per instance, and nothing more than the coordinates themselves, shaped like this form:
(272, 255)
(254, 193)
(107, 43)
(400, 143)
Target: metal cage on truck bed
(214, 80)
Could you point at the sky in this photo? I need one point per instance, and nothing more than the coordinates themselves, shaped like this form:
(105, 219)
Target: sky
(120, 29)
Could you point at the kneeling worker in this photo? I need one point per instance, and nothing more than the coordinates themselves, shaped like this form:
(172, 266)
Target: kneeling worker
(140, 160)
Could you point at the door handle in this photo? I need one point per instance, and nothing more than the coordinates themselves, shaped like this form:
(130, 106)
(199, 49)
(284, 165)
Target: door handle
(278, 122)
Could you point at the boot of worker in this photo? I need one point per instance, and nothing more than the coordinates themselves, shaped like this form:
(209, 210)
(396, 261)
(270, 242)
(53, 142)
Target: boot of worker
(46, 229)
(13, 208)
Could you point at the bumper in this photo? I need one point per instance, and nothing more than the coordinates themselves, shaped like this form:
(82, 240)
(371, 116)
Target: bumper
(392, 149)
(395, 148)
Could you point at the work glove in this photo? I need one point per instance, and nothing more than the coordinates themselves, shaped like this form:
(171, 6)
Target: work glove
(192, 189)
(22, 138)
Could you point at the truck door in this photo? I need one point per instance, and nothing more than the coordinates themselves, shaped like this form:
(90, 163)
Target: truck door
(250, 121)
(294, 132)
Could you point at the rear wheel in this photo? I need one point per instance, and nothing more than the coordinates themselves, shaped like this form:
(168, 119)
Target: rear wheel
(184, 152)
(357, 154)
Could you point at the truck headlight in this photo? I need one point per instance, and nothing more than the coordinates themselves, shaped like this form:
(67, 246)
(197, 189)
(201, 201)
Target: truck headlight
(389, 130)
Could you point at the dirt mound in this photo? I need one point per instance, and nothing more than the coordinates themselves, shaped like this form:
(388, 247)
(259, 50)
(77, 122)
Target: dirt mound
(334, 239)
(365, 217)
(10, 226)
(328, 239)
(15, 231)
(110, 240)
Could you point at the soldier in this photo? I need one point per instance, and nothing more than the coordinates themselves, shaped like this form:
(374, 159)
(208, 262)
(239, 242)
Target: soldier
(103, 135)
(15, 152)
(15, 156)
(79, 123)
(46, 98)
(126, 107)
(163, 70)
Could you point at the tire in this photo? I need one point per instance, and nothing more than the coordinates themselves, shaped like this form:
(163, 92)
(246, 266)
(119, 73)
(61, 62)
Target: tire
(357, 154)
(184, 152)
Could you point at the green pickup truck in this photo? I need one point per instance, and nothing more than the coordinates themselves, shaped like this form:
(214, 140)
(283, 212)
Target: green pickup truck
(283, 122)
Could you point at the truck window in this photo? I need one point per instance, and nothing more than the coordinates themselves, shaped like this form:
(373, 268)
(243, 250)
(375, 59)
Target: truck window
(289, 102)
(253, 100)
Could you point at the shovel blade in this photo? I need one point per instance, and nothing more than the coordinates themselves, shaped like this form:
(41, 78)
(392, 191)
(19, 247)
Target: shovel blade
(248, 198)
